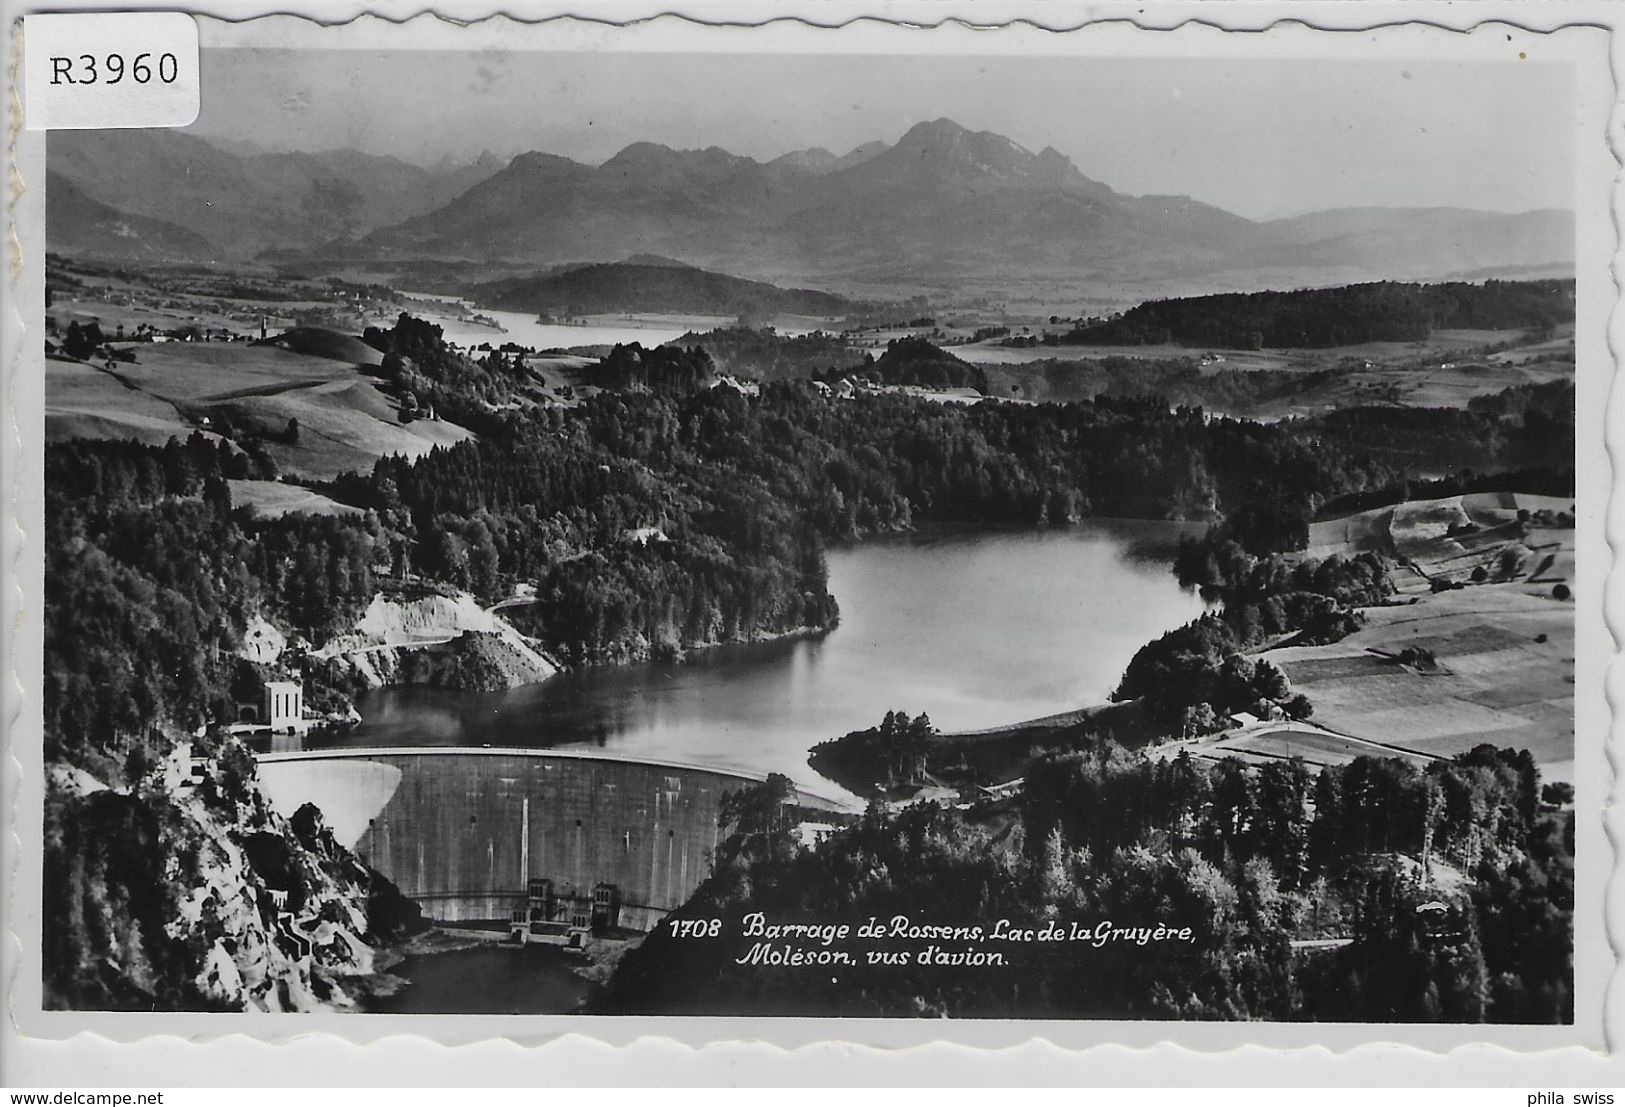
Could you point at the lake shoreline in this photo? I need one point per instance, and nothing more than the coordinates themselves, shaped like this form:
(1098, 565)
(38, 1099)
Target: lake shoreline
(988, 630)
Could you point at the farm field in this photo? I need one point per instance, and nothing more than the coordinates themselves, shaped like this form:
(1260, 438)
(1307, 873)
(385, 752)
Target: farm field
(82, 401)
(1503, 648)
(1296, 741)
(272, 499)
(1446, 539)
(1504, 675)
(345, 421)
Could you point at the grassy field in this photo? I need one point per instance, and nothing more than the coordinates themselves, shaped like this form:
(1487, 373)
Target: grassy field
(346, 422)
(1504, 648)
(1293, 742)
(272, 499)
(1505, 674)
(1442, 371)
(82, 401)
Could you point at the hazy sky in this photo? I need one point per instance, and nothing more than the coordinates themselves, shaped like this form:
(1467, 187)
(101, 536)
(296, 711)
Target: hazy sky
(1260, 138)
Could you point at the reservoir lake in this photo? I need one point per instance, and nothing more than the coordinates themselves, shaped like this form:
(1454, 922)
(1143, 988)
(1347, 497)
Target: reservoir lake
(977, 630)
(648, 330)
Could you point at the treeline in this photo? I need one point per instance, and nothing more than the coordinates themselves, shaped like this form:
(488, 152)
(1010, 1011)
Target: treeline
(657, 286)
(879, 758)
(1507, 432)
(1386, 311)
(914, 361)
(1192, 679)
(418, 364)
(761, 354)
(1539, 482)
(1452, 888)
(664, 368)
(1180, 382)
(650, 521)
(159, 899)
(151, 577)
(731, 483)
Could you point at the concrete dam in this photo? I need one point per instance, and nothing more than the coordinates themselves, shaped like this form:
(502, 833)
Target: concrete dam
(465, 831)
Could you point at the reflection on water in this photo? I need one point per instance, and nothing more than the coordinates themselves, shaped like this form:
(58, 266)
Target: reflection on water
(486, 979)
(523, 328)
(976, 630)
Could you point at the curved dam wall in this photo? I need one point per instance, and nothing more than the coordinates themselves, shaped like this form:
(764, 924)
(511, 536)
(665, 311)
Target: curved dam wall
(461, 831)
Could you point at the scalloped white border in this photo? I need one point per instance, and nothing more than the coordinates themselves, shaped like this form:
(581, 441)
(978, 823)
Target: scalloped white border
(78, 1048)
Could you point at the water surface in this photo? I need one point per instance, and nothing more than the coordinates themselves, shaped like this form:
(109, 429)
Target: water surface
(485, 979)
(975, 630)
(599, 330)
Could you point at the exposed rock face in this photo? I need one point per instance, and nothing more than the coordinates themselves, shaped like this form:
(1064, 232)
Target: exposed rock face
(447, 641)
(262, 643)
(189, 893)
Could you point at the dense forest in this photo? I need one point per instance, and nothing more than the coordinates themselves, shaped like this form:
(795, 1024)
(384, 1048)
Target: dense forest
(915, 361)
(1437, 895)
(151, 577)
(1318, 318)
(730, 498)
(661, 513)
(1192, 679)
(656, 518)
(761, 354)
(156, 900)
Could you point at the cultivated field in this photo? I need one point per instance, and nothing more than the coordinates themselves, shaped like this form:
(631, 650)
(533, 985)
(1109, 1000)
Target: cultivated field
(1295, 741)
(273, 499)
(1504, 675)
(345, 421)
(82, 401)
(1443, 371)
(1502, 649)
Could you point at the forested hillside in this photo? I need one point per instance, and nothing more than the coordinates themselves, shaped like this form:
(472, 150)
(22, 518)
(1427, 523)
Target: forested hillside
(1437, 895)
(633, 286)
(662, 514)
(1322, 317)
(657, 515)
(764, 355)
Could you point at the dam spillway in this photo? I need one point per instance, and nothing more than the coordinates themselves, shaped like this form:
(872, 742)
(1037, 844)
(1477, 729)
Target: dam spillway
(462, 831)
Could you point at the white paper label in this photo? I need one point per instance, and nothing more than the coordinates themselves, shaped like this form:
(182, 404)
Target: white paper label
(110, 69)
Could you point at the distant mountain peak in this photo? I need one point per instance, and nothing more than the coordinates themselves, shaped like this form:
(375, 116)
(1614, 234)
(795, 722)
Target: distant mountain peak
(656, 261)
(536, 160)
(639, 153)
(819, 161)
(945, 133)
(942, 153)
(944, 202)
(815, 160)
(935, 128)
(865, 152)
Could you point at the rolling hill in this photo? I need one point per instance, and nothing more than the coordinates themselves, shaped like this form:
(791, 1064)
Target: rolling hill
(76, 222)
(651, 284)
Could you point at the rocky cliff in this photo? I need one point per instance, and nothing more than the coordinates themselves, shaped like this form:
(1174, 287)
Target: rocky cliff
(178, 888)
(446, 641)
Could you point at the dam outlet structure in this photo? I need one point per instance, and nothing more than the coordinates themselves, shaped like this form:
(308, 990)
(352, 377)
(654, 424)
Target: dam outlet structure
(467, 833)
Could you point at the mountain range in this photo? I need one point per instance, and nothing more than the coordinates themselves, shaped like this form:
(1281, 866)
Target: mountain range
(942, 208)
(243, 203)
